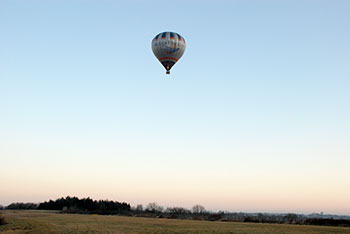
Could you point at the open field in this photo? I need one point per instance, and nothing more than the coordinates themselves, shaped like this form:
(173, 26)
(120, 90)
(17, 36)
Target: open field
(35, 221)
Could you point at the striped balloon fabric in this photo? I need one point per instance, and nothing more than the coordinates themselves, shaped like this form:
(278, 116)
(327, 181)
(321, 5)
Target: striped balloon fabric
(168, 47)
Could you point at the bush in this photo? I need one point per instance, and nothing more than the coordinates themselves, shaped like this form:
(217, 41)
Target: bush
(2, 220)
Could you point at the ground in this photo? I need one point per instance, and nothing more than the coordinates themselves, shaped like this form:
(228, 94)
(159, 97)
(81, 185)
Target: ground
(36, 221)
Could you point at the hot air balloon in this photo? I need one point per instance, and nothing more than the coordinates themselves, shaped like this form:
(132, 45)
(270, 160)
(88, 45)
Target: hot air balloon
(168, 47)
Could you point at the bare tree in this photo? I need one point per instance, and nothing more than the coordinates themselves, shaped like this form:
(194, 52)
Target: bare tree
(139, 208)
(198, 209)
(154, 207)
(177, 210)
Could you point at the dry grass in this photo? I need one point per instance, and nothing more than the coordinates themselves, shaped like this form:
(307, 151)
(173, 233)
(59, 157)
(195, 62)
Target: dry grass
(34, 221)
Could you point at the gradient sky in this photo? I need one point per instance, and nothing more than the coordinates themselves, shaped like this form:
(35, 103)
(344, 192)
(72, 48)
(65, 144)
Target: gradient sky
(254, 117)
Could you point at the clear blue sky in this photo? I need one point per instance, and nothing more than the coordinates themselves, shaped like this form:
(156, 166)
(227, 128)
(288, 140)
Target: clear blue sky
(254, 117)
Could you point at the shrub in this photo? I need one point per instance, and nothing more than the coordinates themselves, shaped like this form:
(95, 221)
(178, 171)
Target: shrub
(2, 220)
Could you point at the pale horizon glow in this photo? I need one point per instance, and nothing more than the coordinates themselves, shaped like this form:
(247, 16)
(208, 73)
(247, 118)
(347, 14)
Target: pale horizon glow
(255, 117)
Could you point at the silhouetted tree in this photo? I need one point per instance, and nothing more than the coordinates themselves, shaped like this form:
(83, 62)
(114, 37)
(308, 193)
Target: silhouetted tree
(139, 208)
(198, 209)
(290, 218)
(153, 207)
(22, 206)
(178, 212)
(86, 205)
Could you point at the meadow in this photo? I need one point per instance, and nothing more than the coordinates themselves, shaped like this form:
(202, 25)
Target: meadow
(38, 221)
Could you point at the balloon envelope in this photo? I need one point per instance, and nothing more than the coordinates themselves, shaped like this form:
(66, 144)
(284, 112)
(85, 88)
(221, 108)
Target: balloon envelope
(168, 47)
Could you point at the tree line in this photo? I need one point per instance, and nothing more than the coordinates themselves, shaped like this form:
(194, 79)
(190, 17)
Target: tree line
(85, 206)
(198, 212)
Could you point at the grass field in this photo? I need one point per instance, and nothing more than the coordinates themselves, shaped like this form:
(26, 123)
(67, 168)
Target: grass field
(34, 221)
